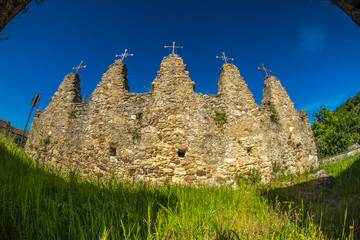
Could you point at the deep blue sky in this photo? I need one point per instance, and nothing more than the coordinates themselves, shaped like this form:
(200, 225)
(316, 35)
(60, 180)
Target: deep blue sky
(313, 49)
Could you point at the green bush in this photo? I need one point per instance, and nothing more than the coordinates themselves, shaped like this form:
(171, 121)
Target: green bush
(335, 131)
(220, 119)
(253, 177)
(274, 116)
(72, 114)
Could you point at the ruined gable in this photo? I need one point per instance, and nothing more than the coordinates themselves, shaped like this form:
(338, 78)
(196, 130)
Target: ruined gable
(173, 133)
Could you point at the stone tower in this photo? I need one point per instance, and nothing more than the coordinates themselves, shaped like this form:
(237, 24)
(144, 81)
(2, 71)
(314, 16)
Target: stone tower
(173, 133)
(293, 131)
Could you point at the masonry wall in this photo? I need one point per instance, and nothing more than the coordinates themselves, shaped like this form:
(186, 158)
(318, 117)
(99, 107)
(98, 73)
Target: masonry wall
(12, 131)
(173, 133)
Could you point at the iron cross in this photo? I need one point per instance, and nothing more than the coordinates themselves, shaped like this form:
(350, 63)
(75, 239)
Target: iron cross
(225, 58)
(124, 55)
(173, 47)
(264, 69)
(78, 67)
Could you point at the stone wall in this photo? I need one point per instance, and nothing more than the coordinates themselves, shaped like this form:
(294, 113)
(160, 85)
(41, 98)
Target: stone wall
(173, 133)
(350, 152)
(12, 131)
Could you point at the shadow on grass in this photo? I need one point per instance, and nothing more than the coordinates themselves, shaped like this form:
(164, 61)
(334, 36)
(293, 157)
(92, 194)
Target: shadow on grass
(331, 203)
(38, 203)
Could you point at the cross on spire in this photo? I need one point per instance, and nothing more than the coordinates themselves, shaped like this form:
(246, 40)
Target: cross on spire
(225, 58)
(78, 67)
(124, 55)
(264, 69)
(173, 47)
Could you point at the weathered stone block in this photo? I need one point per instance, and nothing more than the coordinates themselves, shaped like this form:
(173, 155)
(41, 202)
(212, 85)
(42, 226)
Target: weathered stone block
(180, 171)
(200, 173)
(102, 167)
(176, 161)
(190, 178)
(113, 159)
(191, 171)
(220, 180)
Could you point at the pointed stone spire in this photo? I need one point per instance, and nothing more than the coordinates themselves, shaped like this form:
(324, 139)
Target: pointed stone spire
(173, 76)
(68, 92)
(290, 129)
(113, 83)
(276, 99)
(232, 86)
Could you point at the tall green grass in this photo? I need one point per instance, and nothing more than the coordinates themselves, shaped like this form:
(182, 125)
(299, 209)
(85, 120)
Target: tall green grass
(37, 202)
(332, 204)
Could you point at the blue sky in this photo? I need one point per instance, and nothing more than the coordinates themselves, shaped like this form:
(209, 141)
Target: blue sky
(313, 49)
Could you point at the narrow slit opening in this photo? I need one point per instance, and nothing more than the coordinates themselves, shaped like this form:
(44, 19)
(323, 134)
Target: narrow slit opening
(112, 151)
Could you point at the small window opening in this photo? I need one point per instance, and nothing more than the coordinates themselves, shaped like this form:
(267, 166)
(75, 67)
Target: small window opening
(181, 153)
(112, 151)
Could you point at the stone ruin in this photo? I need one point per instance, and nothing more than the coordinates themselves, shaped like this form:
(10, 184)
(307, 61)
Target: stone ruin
(173, 133)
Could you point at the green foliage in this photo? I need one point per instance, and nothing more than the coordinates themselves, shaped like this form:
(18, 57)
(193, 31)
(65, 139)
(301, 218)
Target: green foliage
(350, 104)
(72, 114)
(220, 119)
(37, 202)
(46, 141)
(135, 133)
(274, 116)
(277, 168)
(331, 203)
(253, 177)
(138, 116)
(335, 131)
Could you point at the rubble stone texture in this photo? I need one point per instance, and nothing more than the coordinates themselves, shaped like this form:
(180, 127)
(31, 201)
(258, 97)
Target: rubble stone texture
(14, 132)
(173, 133)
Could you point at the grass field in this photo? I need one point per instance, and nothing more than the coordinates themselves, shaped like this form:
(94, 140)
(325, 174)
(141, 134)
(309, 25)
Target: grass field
(39, 203)
(333, 204)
